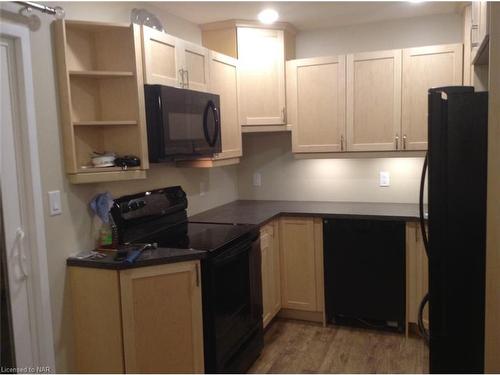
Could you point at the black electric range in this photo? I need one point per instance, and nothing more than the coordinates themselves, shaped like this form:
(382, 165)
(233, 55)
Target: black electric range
(230, 273)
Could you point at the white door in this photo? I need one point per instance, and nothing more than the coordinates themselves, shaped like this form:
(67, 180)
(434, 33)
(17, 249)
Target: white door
(18, 262)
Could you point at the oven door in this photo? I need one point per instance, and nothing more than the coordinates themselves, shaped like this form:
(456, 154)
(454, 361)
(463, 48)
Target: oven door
(183, 123)
(235, 312)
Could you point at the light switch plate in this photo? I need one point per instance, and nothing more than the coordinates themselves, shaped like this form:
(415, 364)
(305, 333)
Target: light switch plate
(257, 179)
(55, 203)
(384, 179)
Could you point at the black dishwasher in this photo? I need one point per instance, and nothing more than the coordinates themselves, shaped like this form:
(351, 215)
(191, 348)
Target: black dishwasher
(365, 272)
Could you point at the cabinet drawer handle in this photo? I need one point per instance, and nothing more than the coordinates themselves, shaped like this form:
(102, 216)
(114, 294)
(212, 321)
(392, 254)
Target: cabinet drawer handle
(396, 141)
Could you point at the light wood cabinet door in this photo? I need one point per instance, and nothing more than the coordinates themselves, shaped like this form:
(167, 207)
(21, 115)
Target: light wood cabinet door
(416, 272)
(373, 100)
(162, 319)
(271, 295)
(261, 74)
(298, 264)
(162, 58)
(224, 82)
(195, 65)
(316, 104)
(423, 68)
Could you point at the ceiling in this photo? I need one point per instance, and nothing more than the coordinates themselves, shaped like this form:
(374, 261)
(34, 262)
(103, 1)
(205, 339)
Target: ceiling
(307, 15)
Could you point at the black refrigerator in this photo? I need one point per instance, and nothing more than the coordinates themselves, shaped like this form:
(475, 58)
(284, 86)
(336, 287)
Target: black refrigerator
(456, 159)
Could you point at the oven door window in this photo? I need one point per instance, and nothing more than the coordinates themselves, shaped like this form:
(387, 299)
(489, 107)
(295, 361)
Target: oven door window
(233, 314)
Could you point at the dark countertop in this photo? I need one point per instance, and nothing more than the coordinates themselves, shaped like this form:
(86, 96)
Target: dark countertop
(147, 258)
(258, 212)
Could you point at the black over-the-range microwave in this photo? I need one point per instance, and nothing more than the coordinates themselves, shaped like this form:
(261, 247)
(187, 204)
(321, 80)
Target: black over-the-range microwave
(181, 123)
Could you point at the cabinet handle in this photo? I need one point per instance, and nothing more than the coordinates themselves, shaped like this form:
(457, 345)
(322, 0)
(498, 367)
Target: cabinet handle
(181, 79)
(283, 115)
(342, 142)
(187, 78)
(197, 275)
(404, 142)
(396, 141)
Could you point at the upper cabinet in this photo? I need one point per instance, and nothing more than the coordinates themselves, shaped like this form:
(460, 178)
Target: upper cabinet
(374, 101)
(385, 96)
(261, 54)
(101, 97)
(316, 104)
(171, 61)
(479, 29)
(195, 61)
(262, 76)
(224, 82)
(161, 55)
(423, 68)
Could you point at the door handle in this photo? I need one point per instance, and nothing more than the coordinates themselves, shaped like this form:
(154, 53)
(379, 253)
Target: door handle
(20, 254)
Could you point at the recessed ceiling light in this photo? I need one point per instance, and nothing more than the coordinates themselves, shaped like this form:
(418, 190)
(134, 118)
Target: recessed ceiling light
(416, 1)
(268, 16)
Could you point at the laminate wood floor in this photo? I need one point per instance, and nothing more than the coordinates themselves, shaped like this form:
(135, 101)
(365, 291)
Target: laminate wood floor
(293, 346)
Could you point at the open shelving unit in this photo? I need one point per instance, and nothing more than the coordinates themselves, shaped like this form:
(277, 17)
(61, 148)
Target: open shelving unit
(101, 97)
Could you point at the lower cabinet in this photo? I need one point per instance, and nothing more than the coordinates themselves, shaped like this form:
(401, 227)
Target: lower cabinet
(271, 288)
(301, 252)
(141, 320)
(416, 272)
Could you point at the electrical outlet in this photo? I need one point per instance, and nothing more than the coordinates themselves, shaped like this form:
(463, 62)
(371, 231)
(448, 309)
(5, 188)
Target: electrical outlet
(55, 203)
(384, 179)
(257, 179)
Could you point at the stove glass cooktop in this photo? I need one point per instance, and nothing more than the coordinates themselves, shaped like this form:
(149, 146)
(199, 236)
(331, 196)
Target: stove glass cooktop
(198, 236)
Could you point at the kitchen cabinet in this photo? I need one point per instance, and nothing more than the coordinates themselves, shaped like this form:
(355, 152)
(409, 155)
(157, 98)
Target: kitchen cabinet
(425, 67)
(480, 14)
(224, 82)
(171, 61)
(301, 253)
(416, 272)
(271, 288)
(316, 104)
(161, 58)
(195, 62)
(101, 95)
(139, 320)
(261, 76)
(261, 52)
(373, 101)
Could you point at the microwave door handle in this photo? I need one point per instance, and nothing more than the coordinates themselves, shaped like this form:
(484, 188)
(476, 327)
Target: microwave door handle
(211, 106)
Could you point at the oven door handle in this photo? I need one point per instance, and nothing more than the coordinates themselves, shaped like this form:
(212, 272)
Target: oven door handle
(211, 106)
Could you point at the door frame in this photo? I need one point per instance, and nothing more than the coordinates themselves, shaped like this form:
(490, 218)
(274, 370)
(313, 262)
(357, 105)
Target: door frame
(30, 174)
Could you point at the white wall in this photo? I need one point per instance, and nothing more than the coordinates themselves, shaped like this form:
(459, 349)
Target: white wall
(284, 177)
(403, 33)
(71, 232)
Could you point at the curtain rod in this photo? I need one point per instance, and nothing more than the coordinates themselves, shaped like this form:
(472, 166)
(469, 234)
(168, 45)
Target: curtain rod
(57, 11)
